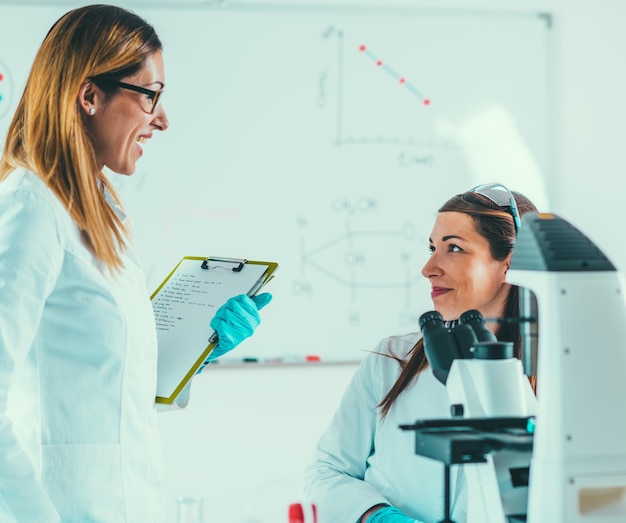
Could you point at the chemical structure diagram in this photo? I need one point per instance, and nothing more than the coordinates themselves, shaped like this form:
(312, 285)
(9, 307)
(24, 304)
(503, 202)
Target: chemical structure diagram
(361, 261)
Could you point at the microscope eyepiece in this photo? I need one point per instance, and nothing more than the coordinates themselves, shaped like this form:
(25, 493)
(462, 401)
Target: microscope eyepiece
(475, 319)
(470, 315)
(430, 316)
(439, 344)
(469, 339)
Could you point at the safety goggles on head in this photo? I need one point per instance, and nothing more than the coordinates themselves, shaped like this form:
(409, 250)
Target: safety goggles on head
(502, 197)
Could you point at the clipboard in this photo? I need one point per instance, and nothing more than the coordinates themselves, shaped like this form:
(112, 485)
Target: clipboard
(184, 305)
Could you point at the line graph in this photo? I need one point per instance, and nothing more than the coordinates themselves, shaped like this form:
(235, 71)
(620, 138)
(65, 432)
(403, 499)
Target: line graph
(380, 105)
(394, 74)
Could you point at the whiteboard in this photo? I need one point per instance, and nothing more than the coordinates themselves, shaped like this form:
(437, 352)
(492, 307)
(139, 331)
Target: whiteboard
(325, 139)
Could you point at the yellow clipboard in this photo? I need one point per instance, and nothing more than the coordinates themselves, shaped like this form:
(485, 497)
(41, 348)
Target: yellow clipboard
(184, 305)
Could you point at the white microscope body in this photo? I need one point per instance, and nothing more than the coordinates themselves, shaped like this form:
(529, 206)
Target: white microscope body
(578, 465)
(493, 409)
(491, 491)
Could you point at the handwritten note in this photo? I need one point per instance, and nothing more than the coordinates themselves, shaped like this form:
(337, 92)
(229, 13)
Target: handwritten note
(183, 295)
(184, 305)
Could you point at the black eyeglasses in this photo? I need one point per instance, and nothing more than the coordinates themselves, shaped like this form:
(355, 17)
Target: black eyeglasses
(153, 96)
(502, 197)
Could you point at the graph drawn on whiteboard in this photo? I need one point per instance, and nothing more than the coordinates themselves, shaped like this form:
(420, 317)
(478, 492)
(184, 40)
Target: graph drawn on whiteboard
(377, 102)
(402, 80)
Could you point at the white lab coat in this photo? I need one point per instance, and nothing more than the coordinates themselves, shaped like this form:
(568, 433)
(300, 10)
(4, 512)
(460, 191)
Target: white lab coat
(79, 439)
(361, 461)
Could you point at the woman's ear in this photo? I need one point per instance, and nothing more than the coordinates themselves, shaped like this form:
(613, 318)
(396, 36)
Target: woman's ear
(87, 97)
(507, 263)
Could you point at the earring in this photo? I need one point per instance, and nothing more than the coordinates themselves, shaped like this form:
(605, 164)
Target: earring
(92, 111)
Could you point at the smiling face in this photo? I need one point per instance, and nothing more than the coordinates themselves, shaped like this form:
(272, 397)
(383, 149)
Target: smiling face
(120, 123)
(462, 272)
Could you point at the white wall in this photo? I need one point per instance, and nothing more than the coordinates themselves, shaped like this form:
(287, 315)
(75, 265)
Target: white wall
(248, 432)
(591, 123)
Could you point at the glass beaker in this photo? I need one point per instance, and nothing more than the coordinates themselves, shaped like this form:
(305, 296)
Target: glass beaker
(189, 509)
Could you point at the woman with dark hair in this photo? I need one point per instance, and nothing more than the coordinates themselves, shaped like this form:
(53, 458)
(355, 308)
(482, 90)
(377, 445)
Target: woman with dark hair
(79, 439)
(365, 469)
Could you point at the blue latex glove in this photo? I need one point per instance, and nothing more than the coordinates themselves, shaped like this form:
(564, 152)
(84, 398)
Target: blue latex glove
(235, 321)
(390, 515)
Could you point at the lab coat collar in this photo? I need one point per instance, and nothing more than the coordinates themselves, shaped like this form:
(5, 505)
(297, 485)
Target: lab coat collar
(117, 209)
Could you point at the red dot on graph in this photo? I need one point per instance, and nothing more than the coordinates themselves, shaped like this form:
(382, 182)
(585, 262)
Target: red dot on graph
(402, 80)
(1, 77)
(361, 48)
(379, 62)
(427, 102)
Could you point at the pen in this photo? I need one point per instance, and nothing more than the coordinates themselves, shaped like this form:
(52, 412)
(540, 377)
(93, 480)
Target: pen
(257, 286)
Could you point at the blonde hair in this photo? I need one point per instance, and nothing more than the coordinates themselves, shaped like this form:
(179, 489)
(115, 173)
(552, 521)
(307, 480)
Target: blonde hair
(47, 134)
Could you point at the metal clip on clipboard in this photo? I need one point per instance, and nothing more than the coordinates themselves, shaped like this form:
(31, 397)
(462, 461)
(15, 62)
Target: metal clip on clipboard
(239, 261)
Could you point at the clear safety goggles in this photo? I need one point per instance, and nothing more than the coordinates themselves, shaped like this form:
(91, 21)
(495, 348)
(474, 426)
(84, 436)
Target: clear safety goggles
(502, 197)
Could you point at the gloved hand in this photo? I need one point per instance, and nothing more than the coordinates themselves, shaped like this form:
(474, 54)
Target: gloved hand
(235, 321)
(390, 515)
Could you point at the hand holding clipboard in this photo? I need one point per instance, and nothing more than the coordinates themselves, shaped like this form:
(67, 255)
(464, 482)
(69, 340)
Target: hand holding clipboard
(186, 305)
(235, 321)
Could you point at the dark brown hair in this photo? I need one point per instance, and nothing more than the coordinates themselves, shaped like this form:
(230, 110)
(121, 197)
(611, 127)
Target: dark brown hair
(496, 225)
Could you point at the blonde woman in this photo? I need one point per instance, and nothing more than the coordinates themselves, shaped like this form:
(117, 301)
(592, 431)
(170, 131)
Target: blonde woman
(78, 431)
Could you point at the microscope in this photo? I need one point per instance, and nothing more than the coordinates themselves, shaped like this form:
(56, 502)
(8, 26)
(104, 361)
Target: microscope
(559, 456)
